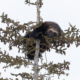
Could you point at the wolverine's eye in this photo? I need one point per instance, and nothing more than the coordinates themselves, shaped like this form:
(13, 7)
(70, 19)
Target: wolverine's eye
(55, 34)
(50, 32)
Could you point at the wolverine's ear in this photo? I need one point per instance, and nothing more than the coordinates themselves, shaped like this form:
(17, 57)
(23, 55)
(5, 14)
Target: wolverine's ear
(49, 27)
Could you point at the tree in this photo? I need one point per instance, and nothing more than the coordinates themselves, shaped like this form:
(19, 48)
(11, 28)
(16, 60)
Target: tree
(70, 36)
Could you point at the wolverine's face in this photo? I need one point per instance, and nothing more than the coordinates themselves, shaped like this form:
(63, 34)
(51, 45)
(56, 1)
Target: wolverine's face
(51, 32)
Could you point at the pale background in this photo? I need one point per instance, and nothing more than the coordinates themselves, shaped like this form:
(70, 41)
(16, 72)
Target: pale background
(60, 11)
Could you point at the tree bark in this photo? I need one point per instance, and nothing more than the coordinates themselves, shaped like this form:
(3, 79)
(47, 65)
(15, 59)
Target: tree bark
(37, 45)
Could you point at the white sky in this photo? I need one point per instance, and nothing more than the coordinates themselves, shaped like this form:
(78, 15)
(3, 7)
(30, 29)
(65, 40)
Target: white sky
(60, 11)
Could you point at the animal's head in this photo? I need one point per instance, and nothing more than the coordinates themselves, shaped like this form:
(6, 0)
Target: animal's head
(52, 30)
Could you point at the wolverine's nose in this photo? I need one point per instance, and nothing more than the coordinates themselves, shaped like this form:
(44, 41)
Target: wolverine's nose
(51, 34)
